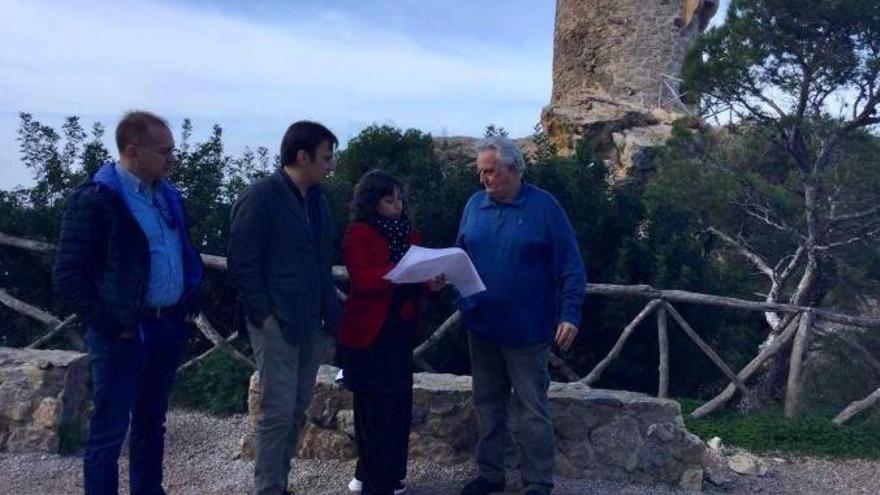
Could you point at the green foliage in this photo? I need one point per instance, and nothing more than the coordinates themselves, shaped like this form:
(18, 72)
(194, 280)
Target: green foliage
(766, 46)
(629, 233)
(217, 385)
(769, 432)
(800, 77)
(437, 189)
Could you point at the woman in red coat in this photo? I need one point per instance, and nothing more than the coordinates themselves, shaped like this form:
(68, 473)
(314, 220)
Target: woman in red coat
(377, 333)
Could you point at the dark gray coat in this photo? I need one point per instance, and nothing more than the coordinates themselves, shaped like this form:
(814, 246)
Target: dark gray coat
(273, 262)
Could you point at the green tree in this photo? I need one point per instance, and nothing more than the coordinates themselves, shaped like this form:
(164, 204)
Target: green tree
(94, 153)
(802, 79)
(201, 176)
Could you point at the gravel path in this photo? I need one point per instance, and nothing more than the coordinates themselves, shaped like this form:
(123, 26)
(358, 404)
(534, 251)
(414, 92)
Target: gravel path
(200, 460)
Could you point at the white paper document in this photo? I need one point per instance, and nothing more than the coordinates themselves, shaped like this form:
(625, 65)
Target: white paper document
(422, 264)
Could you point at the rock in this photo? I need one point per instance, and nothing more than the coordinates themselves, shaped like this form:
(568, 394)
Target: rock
(43, 397)
(692, 479)
(316, 442)
(715, 468)
(622, 47)
(618, 443)
(664, 431)
(247, 450)
(747, 464)
(637, 148)
(714, 443)
(606, 434)
(48, 414)
(615, 68)
(345, 421)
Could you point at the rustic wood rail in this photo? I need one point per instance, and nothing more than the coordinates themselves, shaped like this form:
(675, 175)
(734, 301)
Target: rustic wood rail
(799, 323)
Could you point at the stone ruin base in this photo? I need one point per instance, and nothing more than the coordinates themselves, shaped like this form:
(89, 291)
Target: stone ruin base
(608, 434)
(43, 399)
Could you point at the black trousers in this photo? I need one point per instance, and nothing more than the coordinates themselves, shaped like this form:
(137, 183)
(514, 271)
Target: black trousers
(382, 423)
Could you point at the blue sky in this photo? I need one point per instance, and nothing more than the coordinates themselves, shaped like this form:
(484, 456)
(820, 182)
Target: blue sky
(447, 67)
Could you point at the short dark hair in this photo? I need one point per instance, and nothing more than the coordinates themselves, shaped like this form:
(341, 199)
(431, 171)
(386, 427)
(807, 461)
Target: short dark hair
(373, 186)
(136, 128)
(304, 135)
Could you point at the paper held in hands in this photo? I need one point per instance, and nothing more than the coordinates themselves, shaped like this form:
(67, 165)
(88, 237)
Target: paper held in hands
(422, 264)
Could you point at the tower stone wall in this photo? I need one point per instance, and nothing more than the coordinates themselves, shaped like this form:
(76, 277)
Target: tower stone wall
(615, 70)
(623, 48)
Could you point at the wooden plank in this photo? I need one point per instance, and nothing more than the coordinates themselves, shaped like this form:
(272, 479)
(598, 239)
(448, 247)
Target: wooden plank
(557, 362)
(648, 292)
(26, 309)
(707, 350)
(594, 375)
(663, 350)
(26, 244)
(645, 291)
(58, 328)
(789, 325)
(438, 334)
(43, 317)
(215, 338)
(857, 407)
(192, 362)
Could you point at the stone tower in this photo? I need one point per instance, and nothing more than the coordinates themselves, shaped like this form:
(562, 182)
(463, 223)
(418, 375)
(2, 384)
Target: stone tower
(615, 70)
(623, 48)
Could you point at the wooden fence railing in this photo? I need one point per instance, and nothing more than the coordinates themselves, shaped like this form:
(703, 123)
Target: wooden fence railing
(798, 323)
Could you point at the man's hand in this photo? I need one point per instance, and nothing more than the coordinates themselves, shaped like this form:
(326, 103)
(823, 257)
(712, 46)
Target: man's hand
(565, 335)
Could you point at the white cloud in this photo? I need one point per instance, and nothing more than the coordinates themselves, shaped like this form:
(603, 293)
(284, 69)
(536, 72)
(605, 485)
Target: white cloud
(98, 58)
(103, 56)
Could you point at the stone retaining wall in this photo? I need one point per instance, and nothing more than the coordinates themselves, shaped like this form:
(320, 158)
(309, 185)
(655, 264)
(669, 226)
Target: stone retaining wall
(599, 433)
(43, 399)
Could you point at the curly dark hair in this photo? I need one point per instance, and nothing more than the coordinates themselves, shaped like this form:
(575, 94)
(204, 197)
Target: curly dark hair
(373, 186)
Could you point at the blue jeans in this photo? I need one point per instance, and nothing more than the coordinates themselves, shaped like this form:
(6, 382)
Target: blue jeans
(497, 370)
(131, 381)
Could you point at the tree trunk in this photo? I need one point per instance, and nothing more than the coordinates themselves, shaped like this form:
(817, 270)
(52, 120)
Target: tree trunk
(811, 289)
(794, 389)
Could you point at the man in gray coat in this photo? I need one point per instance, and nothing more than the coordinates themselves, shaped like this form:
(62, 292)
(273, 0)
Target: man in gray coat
(280, 259)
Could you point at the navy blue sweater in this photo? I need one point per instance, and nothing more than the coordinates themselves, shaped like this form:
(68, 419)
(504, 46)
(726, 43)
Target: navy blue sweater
(527, 255)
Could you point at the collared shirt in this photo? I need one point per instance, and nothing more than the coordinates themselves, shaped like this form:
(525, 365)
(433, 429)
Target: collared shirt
(154, 215)
(311, 206)
(526, 253)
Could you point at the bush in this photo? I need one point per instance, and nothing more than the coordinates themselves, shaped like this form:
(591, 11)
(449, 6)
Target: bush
(768, 432)
(217, 385)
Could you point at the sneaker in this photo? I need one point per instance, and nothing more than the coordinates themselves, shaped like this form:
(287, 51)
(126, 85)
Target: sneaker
(356, 485)
(481, 486)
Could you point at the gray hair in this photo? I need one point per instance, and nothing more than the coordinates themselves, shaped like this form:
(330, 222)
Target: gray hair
(508, 152)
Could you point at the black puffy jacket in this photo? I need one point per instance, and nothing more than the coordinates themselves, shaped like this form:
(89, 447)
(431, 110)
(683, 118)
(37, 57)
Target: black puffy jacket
(102, 262)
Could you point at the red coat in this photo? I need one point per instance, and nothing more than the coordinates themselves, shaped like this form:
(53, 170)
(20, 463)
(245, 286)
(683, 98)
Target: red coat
(366, 256)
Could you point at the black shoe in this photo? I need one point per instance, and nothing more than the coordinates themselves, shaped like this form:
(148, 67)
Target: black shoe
(481, 486)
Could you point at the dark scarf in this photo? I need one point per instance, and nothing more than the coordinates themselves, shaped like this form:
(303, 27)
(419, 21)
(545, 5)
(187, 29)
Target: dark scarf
(397, 232)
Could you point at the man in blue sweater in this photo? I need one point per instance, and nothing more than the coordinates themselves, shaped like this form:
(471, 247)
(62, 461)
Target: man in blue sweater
(125, 263)
(524, 249)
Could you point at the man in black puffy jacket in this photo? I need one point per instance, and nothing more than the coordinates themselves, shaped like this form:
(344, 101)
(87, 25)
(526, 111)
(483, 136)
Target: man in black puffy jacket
(126, 265)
